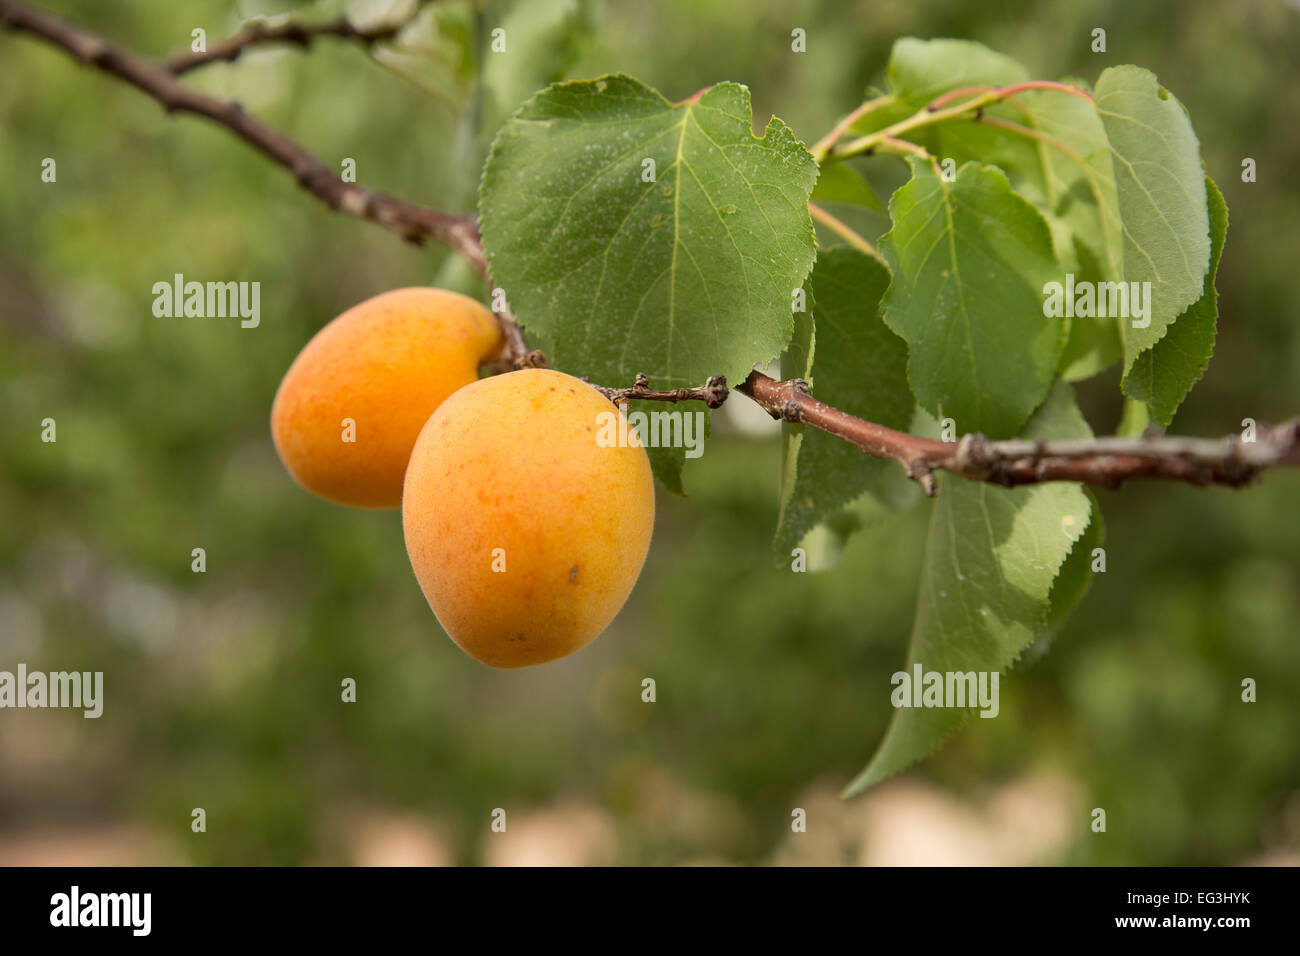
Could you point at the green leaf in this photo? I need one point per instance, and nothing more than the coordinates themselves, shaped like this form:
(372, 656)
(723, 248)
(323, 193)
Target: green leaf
(840, 182)
(681, 278)
(1079, 173)
(1075, 577)
(970, 259)
(1162, 198)
(854, 363)
(992, 556)
(919, 70)
(1163, 375)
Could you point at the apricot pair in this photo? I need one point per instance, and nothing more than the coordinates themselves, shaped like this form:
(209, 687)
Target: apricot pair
(525, 532)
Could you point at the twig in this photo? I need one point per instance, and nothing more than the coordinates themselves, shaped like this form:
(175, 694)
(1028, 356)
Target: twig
(827, 142)
(1007, 91)
(412, 223)
(845, 232)
(902, 147)
(515, 354)
(291, 33)
(937, 111)
(1107, 462)
(712, 393)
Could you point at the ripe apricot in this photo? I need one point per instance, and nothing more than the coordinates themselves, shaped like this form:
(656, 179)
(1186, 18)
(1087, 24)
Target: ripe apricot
(354, 400)
(526, 535)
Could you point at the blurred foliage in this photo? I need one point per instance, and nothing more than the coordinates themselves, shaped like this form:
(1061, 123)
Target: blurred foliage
(222, 689)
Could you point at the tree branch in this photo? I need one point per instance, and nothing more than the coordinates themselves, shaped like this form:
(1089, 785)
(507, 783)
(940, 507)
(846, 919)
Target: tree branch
(1108, 462)
(412, 223)
(712, 393)
(291, 33)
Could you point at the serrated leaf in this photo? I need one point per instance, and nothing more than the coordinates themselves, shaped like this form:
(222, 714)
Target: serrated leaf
(840, 182)
(1164, 374)
(854, 363)
(681, 278)
(992, 556)
(970, 259)
(1162, 198)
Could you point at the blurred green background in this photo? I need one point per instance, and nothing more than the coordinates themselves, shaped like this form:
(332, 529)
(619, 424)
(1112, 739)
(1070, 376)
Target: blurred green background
(223, 688)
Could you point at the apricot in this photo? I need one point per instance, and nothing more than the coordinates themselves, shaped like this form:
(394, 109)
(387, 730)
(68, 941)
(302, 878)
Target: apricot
(354, 400)
(526, 535)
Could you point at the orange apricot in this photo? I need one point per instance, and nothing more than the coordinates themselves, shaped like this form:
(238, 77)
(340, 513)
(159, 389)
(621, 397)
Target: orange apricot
(354, 400)
(526, 531)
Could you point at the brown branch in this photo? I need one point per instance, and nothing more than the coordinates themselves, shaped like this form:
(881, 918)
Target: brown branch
(291, 33)
(1107, 462)
(712, 393)
(515, 354)
(412, 223)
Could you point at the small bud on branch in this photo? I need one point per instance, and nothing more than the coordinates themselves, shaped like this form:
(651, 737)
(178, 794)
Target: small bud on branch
(712, 393)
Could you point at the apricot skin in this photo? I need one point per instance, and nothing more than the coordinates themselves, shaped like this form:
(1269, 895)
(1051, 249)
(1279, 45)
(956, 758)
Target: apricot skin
(512, 463)
(387, 364)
